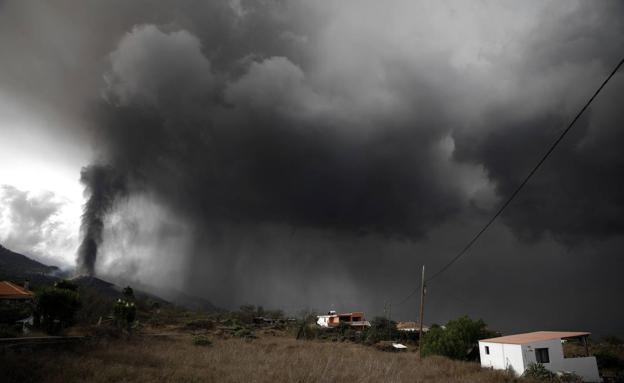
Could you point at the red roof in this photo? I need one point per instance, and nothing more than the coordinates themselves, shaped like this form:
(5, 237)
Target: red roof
(535, 337)
(9, 290)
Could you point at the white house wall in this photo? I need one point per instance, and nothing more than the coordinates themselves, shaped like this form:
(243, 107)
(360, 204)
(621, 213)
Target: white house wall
(502, 356)
(585, 367)
(323, 321)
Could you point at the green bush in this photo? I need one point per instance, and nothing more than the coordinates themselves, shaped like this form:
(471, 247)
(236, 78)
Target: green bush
(56, 307)
(93, 307)
(307, 331)
(67, 285)
(459, 340)
(244, 333)
(128, 293)
(201, 340)
(539, 372)
(381, 329)
(12, 312)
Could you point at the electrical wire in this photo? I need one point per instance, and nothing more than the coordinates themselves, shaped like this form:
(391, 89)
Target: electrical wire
(474, 239)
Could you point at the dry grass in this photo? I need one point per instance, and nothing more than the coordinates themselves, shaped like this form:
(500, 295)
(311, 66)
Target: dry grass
(267, 359)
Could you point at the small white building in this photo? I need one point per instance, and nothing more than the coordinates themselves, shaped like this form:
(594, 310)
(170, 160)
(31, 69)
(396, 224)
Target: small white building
(354, 319)
(518, 351)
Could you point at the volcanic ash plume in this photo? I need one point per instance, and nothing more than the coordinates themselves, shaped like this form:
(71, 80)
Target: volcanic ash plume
(103, 185)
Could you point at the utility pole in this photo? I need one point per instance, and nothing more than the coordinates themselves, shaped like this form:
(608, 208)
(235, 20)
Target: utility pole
(390, 320)
(422, 311)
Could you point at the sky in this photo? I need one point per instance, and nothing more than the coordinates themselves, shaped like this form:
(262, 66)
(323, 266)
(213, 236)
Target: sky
(313, 155)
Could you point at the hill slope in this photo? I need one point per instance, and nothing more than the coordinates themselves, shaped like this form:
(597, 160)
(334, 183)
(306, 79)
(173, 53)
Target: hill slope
(17, 268)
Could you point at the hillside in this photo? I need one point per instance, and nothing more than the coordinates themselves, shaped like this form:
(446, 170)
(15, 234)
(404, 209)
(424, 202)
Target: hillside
(17, 268)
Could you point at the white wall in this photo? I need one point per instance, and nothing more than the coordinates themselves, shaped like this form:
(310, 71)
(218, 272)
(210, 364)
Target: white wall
(586, 367)
(502, 356)
(323, 320)
(519, 357)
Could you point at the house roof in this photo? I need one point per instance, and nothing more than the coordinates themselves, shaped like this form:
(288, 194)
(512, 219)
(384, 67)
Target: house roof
(402, 325)
(536, 336)
(9, 290)
(354, 313)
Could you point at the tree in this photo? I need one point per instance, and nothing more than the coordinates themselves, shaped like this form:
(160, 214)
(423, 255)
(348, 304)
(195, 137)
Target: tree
(381, 329)
(57, 307)
(457, 340)
(67, 285)
(128, 293)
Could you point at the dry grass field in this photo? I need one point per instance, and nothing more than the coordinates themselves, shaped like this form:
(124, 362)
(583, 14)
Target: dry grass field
(272, 359)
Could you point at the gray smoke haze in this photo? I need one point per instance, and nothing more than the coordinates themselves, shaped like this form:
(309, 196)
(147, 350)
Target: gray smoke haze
(310, 154)
(102, 187)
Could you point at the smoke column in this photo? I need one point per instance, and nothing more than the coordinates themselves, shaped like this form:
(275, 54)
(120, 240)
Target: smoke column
(103, 185)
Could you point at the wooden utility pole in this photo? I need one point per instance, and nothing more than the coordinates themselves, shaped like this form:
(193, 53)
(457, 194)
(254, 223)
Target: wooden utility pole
(422, 312)
(390, 320)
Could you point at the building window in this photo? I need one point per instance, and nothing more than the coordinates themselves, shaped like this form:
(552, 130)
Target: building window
(487, 350)
(541, 355)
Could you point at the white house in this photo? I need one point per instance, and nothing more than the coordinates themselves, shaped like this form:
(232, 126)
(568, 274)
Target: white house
(354, 319)
(546, 347)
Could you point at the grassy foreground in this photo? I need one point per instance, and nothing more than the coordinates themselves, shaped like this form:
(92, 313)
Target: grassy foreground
(267, 359)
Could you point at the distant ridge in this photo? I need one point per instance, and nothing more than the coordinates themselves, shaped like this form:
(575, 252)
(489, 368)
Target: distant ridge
(17, 268)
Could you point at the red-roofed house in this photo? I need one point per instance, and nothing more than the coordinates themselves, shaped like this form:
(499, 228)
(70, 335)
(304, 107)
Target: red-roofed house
(12, 295)
(518, 351)
(12, 292)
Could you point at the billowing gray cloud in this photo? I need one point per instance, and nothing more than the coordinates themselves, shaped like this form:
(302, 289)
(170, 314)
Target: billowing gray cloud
(314, 154)
(32, 223)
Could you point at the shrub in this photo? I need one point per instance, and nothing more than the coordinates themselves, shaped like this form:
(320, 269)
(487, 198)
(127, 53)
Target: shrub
(128, 293)
(57, 307)
(539, 372)
(568, 377)
(613, 340)
(201, 340)
(245, 333)
(67, 285)
(607, 360)
(11, 313)
(307, 331)
(93, 306)
(458, 340)
(381, 329)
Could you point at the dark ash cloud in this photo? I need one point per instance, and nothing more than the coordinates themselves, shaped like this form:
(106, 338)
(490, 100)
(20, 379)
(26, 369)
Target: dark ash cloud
(296, 153)
(103, 185)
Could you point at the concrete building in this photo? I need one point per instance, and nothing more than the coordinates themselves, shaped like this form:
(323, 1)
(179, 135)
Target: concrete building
(410, 327)
(354, 319)
(518, 351)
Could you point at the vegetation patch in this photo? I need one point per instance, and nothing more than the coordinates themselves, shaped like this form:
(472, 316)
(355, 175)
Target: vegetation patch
(201, 340)
(199, 324)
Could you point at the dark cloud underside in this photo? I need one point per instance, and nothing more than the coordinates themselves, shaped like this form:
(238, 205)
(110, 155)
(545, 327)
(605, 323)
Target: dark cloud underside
(299, 151)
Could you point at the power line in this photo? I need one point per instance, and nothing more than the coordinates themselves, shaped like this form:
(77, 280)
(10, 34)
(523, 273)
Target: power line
(474, 239)
(528, 177)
